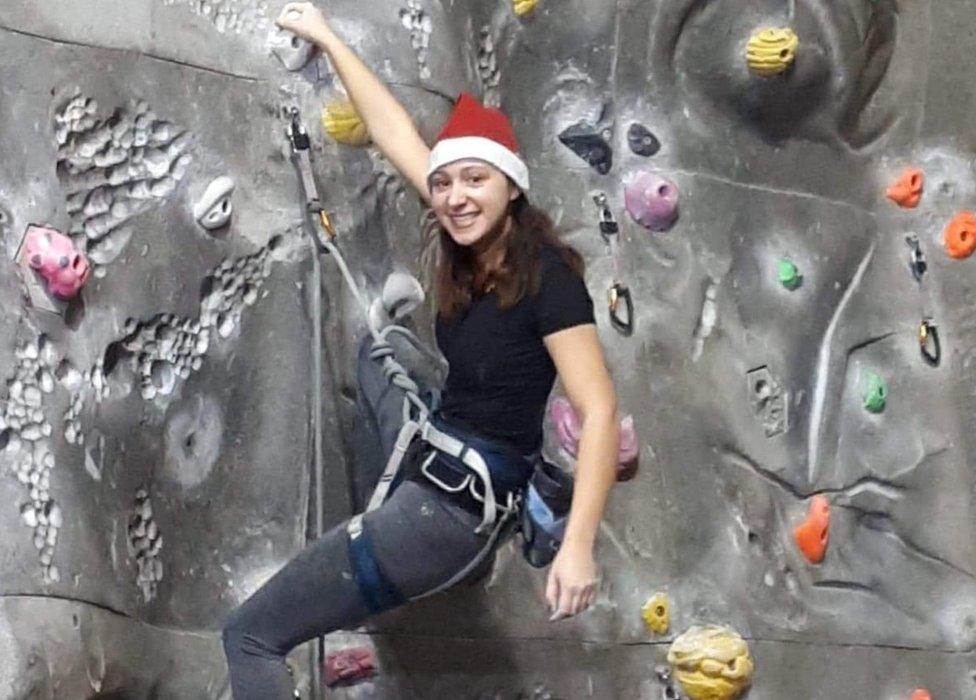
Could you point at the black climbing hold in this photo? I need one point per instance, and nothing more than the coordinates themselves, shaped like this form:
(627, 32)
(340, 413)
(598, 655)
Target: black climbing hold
(589, 143)
(642, 141)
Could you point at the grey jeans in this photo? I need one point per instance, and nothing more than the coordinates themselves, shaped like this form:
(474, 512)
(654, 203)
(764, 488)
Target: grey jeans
(420, 540)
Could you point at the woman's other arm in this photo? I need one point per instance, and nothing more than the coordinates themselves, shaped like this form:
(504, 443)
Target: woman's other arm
(388, 123)
(578, 357)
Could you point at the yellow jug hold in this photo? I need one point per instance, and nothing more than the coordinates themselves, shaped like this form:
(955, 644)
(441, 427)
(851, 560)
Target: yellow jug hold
(711, 663)
(341, 122)
(772, 50)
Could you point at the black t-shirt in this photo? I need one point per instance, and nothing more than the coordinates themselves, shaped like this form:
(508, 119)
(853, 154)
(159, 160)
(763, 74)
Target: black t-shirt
(500, 371)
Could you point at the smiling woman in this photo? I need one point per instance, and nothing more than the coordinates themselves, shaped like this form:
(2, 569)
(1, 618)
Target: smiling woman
(513, 313)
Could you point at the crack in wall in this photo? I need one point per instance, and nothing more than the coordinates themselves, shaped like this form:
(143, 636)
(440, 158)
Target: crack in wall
(138, 53)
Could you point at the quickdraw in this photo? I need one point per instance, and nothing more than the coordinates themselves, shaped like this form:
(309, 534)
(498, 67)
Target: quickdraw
(298, 138)
(618, 294)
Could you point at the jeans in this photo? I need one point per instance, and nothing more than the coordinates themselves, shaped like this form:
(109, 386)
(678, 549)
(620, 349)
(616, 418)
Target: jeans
(420, 540)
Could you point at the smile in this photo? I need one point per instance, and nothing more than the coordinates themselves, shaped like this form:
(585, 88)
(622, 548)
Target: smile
(463, 220)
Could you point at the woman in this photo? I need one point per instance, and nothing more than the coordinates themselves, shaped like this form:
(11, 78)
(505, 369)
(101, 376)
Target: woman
(513, 312)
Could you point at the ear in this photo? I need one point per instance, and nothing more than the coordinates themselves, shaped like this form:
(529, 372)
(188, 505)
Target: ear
(513, 191)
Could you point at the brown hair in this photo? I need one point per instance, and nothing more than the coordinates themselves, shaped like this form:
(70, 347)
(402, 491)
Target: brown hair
(457, 281)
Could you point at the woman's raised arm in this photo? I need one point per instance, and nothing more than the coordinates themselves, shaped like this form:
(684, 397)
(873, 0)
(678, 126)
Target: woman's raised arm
(388, 123)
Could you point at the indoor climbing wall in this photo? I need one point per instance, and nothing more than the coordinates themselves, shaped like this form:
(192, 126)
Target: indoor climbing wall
(773, 202)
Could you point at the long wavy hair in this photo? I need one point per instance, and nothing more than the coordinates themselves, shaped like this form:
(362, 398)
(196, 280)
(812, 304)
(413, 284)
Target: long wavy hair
(456, 281)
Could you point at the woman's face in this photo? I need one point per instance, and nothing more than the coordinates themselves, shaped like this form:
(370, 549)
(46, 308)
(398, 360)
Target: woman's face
(470, 199)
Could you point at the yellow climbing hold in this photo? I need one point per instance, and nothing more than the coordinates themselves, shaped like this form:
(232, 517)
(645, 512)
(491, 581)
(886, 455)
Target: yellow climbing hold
(524, 7)
(341, 121)
(771, 51)
(657, 613)
(712, 663)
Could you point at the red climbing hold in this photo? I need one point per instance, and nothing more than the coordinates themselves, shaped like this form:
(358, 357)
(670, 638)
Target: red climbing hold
(811, 534)
(920, 694)
(346, 666)
(907, 190)
(960, 235)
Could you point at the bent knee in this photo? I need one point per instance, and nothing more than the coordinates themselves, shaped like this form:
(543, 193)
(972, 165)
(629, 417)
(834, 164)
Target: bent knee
(239, 637)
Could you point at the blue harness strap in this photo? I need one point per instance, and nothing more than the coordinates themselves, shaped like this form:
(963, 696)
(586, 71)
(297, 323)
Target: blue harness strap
(377, 590)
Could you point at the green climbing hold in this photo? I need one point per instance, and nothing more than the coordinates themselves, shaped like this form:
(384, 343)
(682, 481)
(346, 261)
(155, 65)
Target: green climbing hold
(875, 393)
(789, 275)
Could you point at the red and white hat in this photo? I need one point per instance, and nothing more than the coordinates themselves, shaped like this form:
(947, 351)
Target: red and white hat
(476, 131)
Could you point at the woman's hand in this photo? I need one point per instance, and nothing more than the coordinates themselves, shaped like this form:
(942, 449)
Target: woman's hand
(304, 20)
(572, 581)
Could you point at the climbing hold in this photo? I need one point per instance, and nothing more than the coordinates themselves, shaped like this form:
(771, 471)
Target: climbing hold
(928, 342)
(569, 427)
(960, 235)
(293, 51)
(347, 666)
(875, 393)
(627, 458)
(789, 275)
(711, 662)
(402, 294)
(589, 143)
(771, 51)
(811, 535)
(916, 258)
(53, 256)
(214, 208)
(657, 613)
(920, 694)
(524, 7)
(343, 123)
(651, 200)
(642, 141)
(769, 400)
(907, 190)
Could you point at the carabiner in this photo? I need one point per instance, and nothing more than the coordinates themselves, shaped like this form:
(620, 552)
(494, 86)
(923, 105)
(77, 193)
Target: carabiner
(916, 258)
(608, 225)
(619, 292)
(928, 334)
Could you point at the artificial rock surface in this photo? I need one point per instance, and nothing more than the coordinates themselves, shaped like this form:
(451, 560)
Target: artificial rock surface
(159, 436)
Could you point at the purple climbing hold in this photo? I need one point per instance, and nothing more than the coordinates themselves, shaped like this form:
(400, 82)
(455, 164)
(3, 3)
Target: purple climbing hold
(651, 200)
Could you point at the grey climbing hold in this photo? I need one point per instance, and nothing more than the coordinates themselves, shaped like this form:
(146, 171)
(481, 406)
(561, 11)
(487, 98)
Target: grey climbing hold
(293, 51)
(214, 208)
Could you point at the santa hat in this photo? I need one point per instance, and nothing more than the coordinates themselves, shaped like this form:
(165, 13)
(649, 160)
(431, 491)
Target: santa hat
(476, 131)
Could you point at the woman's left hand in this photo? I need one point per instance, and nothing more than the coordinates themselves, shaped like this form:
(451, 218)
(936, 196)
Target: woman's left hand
(572, 582)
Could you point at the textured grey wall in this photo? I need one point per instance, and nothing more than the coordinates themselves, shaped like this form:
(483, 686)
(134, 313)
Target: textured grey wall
(159, 434)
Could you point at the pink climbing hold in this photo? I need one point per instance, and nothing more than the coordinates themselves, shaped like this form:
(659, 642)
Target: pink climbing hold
(651, 200)
(347, 666)
(54, 257)
(569, 428)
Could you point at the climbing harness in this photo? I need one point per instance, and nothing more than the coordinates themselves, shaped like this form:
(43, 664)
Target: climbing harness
(619, 293)
(492, 474)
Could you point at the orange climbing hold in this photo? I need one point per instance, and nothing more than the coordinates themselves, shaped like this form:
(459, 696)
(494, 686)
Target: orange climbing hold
(960, 235)
(920, 694)
(811, 534)
(907, 190)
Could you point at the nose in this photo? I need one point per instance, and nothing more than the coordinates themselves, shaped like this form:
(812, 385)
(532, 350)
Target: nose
(456, 196)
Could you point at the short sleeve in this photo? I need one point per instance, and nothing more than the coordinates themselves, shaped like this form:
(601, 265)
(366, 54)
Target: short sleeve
(562, 301)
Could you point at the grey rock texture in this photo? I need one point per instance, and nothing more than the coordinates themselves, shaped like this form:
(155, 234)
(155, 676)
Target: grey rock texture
(157, 440)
